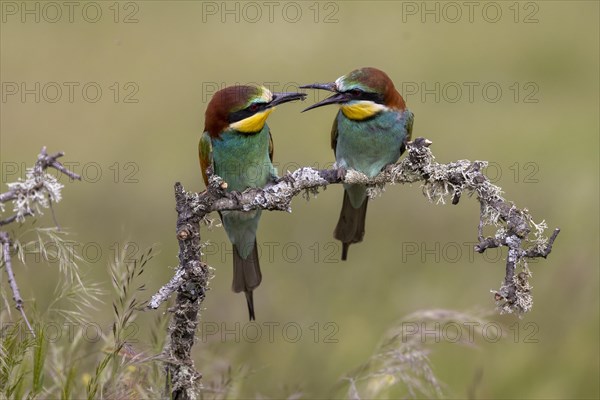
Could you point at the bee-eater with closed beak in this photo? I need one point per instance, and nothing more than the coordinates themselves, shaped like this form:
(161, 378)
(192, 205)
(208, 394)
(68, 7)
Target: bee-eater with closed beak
(369, 132)
(237, 143)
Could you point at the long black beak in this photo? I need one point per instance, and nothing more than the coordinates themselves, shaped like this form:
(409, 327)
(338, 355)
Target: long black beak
(336, 98)
(279, 98)
(323, 86)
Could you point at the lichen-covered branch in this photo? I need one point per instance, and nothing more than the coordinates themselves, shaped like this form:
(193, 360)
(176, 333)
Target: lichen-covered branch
(190, 282)
(167, 290)
(39, 190)
(515, 229)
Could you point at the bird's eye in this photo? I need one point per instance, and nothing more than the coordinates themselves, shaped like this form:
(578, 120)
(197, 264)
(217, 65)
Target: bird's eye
(253, 107)
(356, 92)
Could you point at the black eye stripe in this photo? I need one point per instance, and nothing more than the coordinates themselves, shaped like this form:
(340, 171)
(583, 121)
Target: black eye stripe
(358, 94)
(246, 112)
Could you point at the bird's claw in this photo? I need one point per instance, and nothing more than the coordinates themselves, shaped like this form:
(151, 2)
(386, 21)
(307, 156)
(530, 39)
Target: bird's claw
(287, 178)
(341, 173)
(389, 168)
(235, 195)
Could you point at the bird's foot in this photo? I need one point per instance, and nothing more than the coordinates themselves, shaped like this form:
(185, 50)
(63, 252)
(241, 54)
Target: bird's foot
(235, 195)
(341, 173)
(287, 178)
(389, 167)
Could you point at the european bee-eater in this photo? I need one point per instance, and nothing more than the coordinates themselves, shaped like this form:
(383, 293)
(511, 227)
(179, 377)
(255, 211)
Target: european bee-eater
(369, 132)
(237, 143)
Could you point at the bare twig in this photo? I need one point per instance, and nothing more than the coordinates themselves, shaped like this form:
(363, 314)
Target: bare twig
(440, 182)
(5, 240)
(165, 292)
(13, 218)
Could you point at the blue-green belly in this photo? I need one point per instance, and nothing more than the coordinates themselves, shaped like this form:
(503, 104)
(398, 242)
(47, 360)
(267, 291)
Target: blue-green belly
(243, 162)
(368, 146)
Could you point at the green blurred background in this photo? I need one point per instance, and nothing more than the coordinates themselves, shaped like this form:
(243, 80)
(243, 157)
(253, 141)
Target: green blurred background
(157, 64)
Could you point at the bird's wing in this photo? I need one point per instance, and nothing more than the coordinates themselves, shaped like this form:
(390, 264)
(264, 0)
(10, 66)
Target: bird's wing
(410, 118)
(409, 126)
(334, 134)
(270, 146)
(205, 153)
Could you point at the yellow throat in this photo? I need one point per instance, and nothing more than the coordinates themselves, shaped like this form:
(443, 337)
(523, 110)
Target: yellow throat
(361, 110)
(253, 123)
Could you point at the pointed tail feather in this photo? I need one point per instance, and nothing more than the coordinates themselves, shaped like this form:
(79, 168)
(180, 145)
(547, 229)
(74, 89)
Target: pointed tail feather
(250, 302)
(345, 247)
(246, 276)
(351, 225)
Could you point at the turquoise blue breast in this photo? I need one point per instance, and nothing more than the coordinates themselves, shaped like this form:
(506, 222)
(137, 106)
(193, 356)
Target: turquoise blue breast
(369, 145)
(242, 160)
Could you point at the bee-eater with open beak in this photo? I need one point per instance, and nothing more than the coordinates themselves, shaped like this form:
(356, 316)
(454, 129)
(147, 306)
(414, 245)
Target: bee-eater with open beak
(237, 143)
(369, 132)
